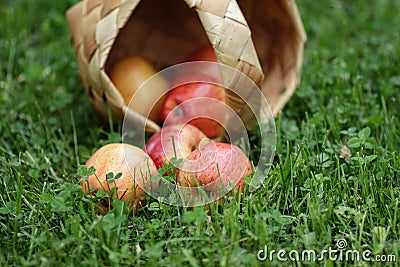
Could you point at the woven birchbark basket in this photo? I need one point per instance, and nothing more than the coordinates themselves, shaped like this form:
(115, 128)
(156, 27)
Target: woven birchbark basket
(264, 39)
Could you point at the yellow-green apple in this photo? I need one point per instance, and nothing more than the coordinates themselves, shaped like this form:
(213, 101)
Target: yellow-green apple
(198, 82)
(128, 75)
(131, 163)
(173, 141)
(216, 166)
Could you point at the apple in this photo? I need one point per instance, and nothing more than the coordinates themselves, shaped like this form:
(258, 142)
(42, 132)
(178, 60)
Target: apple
(161, 148)
(215, 166)
(199, 104)
(136, 169)
(197, 83)
(206, 70)
(128, 75)
(204, 53)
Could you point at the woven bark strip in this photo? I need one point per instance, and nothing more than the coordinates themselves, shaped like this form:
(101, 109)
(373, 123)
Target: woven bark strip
(217, 8)
(263, 39)
(90, 5)
(109, 6)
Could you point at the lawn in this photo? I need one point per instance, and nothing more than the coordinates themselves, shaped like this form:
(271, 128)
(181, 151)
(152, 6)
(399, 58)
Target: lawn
(334, 182)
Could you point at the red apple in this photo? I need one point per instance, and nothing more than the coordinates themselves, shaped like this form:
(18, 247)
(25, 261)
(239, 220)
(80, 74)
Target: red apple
(161, 148)
(199, 104)
(204, 53)
(133, 163)
(198, 83)
(215, 166)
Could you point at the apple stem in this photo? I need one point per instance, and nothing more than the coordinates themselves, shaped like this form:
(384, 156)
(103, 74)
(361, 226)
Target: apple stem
(219, 174)
(173, 144)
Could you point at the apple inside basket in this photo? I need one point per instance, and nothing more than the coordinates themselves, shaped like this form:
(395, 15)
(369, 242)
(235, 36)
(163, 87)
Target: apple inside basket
(264, 39)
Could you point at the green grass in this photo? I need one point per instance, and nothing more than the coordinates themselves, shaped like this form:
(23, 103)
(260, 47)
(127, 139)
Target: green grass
(349, 97)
